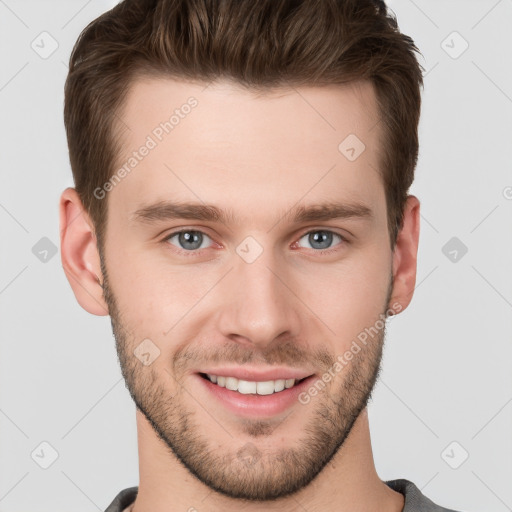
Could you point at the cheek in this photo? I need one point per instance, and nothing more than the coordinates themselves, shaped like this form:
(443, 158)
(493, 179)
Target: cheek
(154, 298)
(136, 291)
(351, 297)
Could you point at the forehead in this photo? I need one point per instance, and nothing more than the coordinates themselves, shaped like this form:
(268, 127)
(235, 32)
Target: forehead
(233, 112)
(218, 142)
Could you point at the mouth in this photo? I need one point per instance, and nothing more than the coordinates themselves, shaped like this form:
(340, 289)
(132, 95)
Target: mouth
(247, 387)
(253, 399)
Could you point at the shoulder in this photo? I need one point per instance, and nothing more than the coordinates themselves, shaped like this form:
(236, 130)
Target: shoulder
(125, 498)
(415, 500)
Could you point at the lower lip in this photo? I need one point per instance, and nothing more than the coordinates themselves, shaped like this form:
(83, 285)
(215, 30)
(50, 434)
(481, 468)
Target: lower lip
(256, 406)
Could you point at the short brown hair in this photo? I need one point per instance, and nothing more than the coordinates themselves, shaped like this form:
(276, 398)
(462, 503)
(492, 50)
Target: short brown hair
(260, 44)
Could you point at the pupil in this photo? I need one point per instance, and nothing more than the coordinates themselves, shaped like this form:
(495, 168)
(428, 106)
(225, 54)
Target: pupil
(324, 236)
(187, 238)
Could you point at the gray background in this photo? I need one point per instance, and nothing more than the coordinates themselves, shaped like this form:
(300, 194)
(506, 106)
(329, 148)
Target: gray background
(448, 358)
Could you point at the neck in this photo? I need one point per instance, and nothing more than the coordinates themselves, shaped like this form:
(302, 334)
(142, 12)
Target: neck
(348, 483)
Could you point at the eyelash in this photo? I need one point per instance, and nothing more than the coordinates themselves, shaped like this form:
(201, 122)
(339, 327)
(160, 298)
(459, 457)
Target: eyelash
(194, 252)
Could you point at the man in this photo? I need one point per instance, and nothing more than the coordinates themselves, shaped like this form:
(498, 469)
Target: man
(241, 213)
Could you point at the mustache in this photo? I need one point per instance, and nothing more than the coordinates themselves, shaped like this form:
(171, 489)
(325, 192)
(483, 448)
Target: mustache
(288, 353)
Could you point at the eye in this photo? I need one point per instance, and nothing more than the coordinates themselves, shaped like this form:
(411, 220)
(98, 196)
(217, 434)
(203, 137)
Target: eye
(322, 239)
(191, 240)
(187, 239)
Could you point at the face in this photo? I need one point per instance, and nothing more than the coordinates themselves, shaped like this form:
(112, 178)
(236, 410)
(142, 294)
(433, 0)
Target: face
(260, 285)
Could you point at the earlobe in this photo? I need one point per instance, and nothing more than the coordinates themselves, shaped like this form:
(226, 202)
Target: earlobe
(79, 254)
(405, 254)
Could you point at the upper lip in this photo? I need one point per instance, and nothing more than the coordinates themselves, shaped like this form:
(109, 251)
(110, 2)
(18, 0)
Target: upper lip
(255, 374)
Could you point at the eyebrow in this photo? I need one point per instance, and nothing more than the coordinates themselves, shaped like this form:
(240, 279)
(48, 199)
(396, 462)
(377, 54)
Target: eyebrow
(168, 210)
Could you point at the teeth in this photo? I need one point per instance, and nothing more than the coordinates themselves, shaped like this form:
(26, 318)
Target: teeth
(280, 385)
(288, 383)
(232, 383)
(247, 387)
(265, 388)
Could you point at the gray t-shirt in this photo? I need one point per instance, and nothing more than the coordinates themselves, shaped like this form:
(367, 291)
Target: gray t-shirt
(415, 501)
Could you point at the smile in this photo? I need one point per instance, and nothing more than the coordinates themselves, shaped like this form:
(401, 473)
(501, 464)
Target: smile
(247, 387)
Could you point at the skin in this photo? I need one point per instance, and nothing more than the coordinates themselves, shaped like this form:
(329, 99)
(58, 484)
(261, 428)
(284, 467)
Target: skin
(258, 155)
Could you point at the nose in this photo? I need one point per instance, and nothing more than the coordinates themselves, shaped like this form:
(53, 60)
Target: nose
(259, 303)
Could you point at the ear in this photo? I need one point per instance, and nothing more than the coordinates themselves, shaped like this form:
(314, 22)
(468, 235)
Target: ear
(405, 255)
(79, 254)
